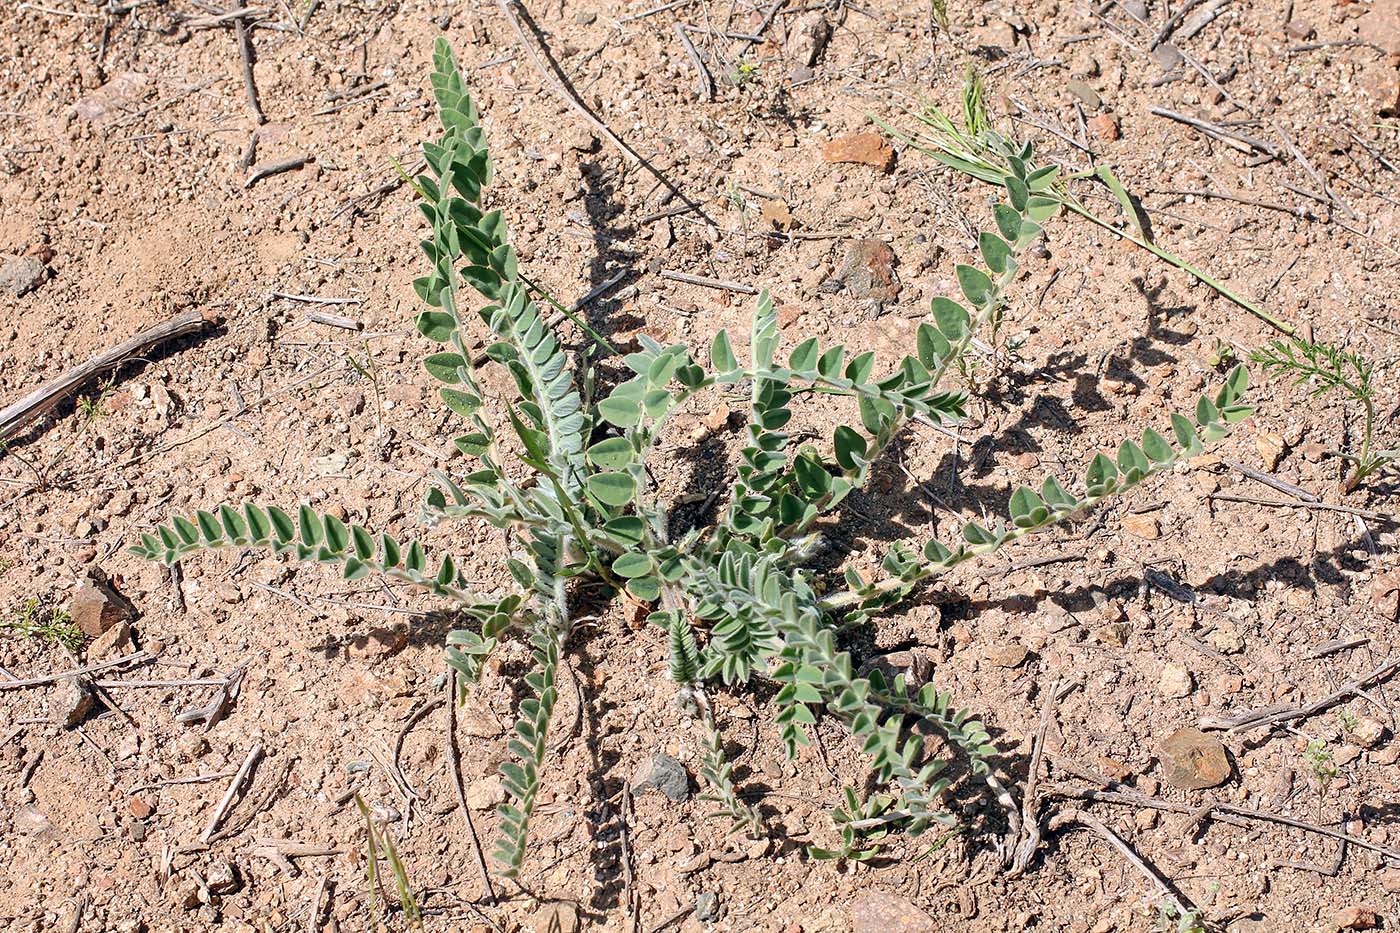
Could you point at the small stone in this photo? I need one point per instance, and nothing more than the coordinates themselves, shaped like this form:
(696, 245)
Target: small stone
(1167, 56)
(1086, 94)
(557, 918)
(111, 642)
(20, 275)
(1390, 880)
(140, 807)
(717, 418)
(329, 464)
(1176, 681)
(808, 37)
(222, 878)
(1385, 595)
(663, 774)
(1367, 732)
(1226, 640)
(1104, 127)
(776, 215)
(71, 702)
(188, 895)
(707, 907)
(1115, 635)
(1114, 768)
(1299, 29)
(1115, 385)
(1271, 449)
(191, 746)
(31, 821)
(381, 642)
(868, 270)
(585, 18)
(1012, 654)
(1142, 526)
(878, 912)
(486, 793)
(1193, 760)
(96, 606)
(694, 863)
(870, 149)
(1357, 918)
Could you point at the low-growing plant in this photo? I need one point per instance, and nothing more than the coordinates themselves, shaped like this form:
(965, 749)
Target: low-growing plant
(563, 463)
(44, 624)
(979, 151)
(1328, 368)
(1322, 769)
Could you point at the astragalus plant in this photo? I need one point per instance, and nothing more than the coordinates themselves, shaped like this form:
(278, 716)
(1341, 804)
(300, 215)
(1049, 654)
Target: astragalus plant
(738, 600)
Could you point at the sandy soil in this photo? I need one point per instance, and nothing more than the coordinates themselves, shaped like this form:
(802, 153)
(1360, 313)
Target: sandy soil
(124, 157)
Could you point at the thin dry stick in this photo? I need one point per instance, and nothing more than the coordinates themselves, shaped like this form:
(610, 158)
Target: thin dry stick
(454, 767)
(508, 8)
(1225, 135)
(1272, 482)
(1227, 813)
(315, 299)
(1030, 837)
(246, 55)
(1167, 889)
(275, 168)
(1320, 506)
(139, 657)
(222, 809)
(705, 88)
(1254, 719)
(708, 282)
(50, 394)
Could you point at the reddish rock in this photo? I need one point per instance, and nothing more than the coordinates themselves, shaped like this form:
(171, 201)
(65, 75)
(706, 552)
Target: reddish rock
(1381, 26)
(1385, 595)
(870, 149)
(96, 606)
(1193, 760)
(1104, 127)
(1357, 918)
(878, 912)
(868, 270)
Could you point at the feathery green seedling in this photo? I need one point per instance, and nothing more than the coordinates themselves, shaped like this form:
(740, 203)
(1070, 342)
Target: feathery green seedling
(977, 150)
(1330, 368)
(41, 623)
(738, 600)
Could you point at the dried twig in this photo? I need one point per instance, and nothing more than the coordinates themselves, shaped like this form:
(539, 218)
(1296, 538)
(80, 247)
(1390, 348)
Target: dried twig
(140, 657)
(1272, 482)
(1271, 715)
(1318, 506)
(334, 320)
(50, 394)
(254, 754)
(454, 767)
(275, 168)
(1229, 137)
(1226, 813)
(247, 57)
(705, 87)
(1163, 884)
(707, 282)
